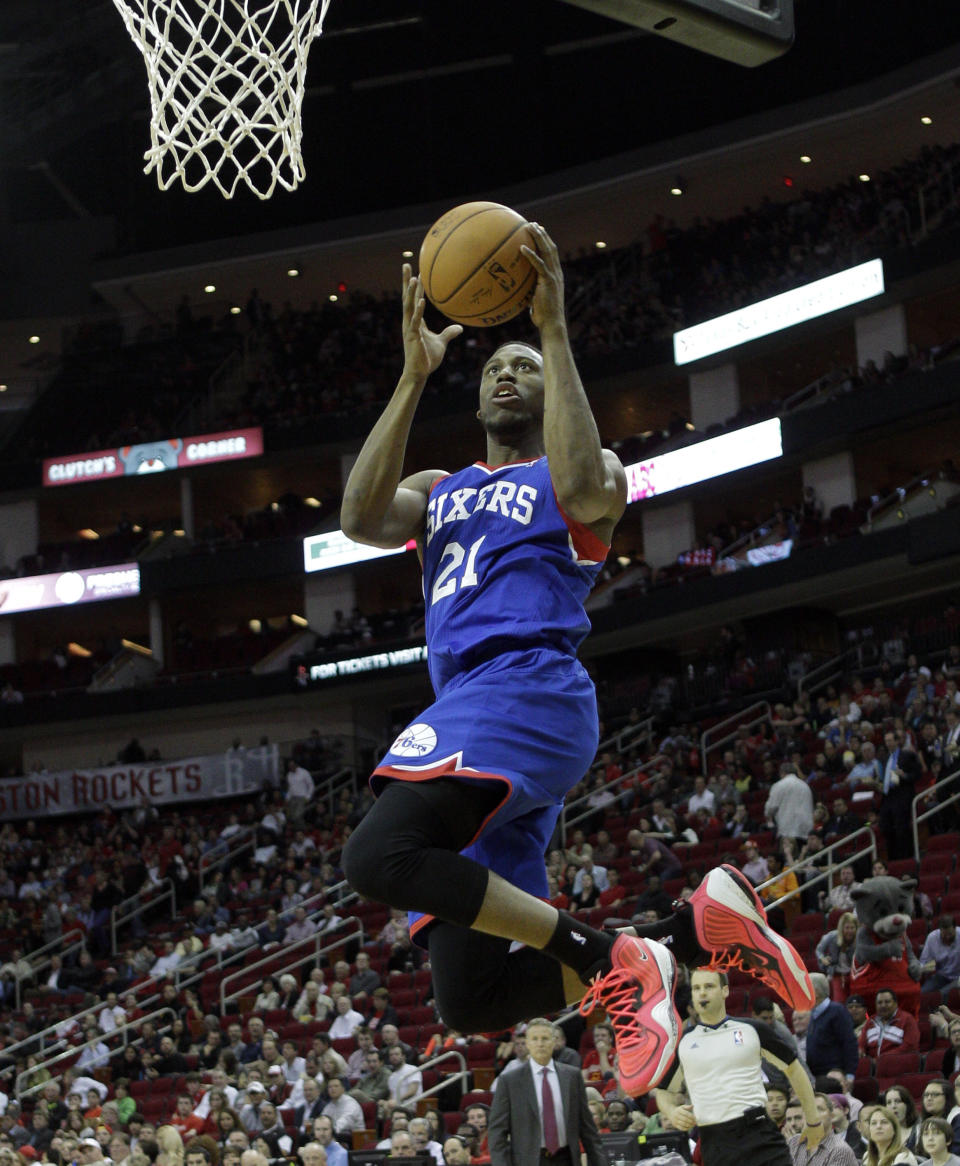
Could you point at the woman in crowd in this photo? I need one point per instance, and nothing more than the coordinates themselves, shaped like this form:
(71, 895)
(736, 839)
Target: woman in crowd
(938, 1101)
(835, 954)
(268, 998)
(588, 894)
(885, 1145)
(951, 1055)
(218, 1103)
(780, 917)
(228, 1120)
(289, 991)
(899, 1100)
(127, 1064)
(181, 1036)
(171, 1147)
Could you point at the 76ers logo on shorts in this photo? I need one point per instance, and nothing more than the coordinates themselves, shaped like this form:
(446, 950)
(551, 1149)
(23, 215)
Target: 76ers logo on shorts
(415, 741)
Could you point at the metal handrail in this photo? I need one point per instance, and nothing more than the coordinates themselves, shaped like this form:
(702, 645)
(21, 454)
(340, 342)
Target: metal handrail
(325, 788)
(123, 1030)
(566, 822)
(846, 860)
(244, 839)
(826, 672)
(916, 819)
(620, 739)
(462, 1076)
(54, 947)
(739, 719)
(314, 942)
(118, 917)
(813, 390)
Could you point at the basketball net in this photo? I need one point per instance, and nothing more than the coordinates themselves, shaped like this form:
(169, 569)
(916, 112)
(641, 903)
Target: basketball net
(226, 82)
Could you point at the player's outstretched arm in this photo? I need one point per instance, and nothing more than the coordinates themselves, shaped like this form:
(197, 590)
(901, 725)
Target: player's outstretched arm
(814, 1131)
(590, 482)
(378, 508)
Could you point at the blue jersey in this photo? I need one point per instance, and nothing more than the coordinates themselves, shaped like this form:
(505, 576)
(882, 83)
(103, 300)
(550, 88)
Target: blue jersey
(503, 568)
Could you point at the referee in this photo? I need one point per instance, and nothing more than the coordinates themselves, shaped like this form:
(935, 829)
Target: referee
(719, 1062)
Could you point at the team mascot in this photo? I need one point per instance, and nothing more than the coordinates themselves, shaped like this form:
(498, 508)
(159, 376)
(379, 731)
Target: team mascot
(882, 955)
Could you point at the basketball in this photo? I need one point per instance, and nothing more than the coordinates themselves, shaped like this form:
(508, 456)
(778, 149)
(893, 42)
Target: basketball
(472, 267)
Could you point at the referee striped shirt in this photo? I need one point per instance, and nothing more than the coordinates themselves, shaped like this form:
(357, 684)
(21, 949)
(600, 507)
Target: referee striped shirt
(721, 1067)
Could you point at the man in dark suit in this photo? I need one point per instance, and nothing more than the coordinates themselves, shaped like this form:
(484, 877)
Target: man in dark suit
(901, 771)
(313, 1102)
(539, 1112)
(831, 1043)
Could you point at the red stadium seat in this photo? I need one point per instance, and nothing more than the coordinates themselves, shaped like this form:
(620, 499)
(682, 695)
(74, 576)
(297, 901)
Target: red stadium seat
(897, 1064)
(476, 1097)
(914, 1083)
(865, 1089)
(810, 924)
(948, 842)
(933, 885)
(937, 862)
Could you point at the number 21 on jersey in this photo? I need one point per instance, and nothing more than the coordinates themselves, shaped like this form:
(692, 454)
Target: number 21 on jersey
(449, 576)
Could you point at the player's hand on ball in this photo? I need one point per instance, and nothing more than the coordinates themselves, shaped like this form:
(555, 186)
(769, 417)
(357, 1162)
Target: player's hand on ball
(423, 350)
(546, 307)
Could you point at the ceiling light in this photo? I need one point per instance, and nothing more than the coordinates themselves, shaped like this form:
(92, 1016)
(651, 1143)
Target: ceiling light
(600, 245)
(677, 190)
(293, 272)
(34, 339)
(210, 288)
(234, 310)
(408, 254)
(255, 626)
(299, 621)
(87, 533)
(864, 177)
(690, 427)
(314, 502)
(926, 121)
(3, 388)
(75, 649)
(805, 158)
(333, 297)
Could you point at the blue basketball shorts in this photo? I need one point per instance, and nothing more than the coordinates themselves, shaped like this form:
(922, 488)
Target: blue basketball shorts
(524, 720)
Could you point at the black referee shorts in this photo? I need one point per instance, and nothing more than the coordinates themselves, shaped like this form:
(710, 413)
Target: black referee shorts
(751, 1140)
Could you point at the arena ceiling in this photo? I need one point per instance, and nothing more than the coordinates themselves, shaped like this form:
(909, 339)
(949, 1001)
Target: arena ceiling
(411, 102)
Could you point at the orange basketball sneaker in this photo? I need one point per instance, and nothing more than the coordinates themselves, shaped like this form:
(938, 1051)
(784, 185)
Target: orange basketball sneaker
(637, 996)
(731, 926)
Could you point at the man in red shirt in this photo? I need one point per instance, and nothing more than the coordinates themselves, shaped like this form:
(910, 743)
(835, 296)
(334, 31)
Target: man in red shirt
(891, 1030)
(615, 892)
(183, 1118)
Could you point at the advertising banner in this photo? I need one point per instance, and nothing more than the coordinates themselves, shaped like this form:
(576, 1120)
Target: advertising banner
(123, 787)
(154, 457)
(65, 588)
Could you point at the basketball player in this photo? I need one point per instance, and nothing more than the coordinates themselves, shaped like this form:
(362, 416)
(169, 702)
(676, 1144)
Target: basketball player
(468, 796)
